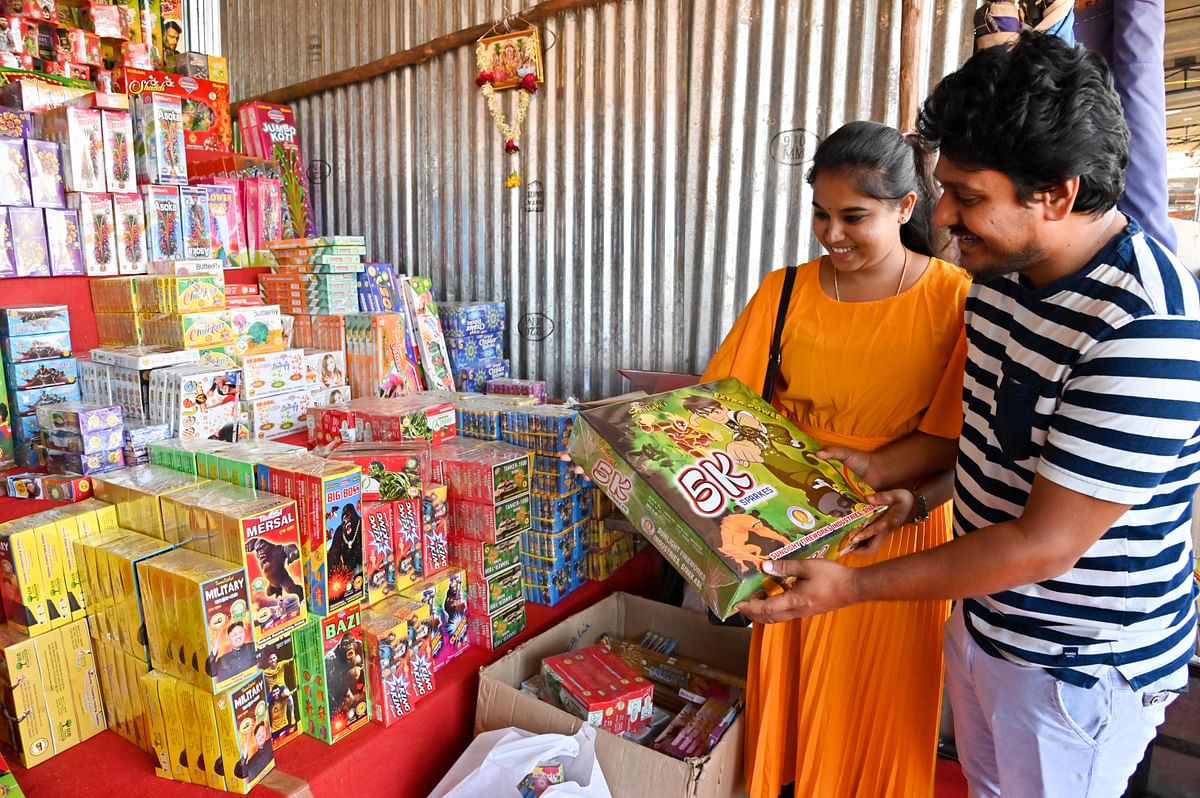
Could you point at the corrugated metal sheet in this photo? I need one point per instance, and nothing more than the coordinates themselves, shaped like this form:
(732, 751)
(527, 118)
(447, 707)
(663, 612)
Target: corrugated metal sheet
(663, 159)
(202, 21)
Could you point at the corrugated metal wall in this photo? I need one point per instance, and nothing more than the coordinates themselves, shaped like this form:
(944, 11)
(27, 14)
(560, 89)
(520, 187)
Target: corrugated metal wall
(663, 158)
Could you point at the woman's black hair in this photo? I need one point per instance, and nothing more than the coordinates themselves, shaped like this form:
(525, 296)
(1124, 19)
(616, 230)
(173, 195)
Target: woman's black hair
(886, 166)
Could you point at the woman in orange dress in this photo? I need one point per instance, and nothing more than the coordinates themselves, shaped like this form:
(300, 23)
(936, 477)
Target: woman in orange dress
(847, 704)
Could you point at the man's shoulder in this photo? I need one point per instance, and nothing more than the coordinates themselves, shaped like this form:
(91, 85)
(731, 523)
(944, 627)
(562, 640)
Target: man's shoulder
(1151, 279)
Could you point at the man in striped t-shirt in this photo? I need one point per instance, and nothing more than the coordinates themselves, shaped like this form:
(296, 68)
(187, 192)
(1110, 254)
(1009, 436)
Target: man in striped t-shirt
(1080, 446)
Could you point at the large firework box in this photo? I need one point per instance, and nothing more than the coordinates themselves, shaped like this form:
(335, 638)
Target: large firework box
(406, 418)
(472, 350)
(30, 246)
(42, 346)
(487, 596)
(26, 403)
(378, 290)
(193, 747)
(482, 560)
(391, 470)
(200, 628)
(157, 724)
(241, 713)
(227, 231)
(472, 318)
(88, 443)
(481, 471)
(333, 672)
(257, 330)
(8, 265)
(409, 541)
(120, 175)
(34, 319)
(324, 368)
(236, 463)
(198, 401)
(477, 376)
(79, 418)
(665, 461)
(376, 354)
(596, 685)
(273, 373)
(329, 500)
(64, 242)
(129, 218)
(41, 373)
(426, 331)
(629, 767)
(556, 512)
(446, 596)
(256, 531)
(489, 522)
(85, 681)
(202, 330)
(164, 225)
(493, 631)
(277, 660)
(159, 139)
(397, 658)
(278, 415)
(113, 591)
(269, 131)
(14, 173)
(79, 134)
(143, 357)
(197, 222)
(32, 675)
(204, 105)
(549, 587)
(136, 493)
(550, 551)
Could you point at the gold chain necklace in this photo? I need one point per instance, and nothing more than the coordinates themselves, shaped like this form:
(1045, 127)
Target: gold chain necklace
(903, 271)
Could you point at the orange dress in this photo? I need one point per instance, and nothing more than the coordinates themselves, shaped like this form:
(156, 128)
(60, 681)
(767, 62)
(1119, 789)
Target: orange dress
(847, 703)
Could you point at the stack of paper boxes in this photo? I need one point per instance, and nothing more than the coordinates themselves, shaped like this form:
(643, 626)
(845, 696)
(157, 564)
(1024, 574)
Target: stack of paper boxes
(474, 333)
(38, 368)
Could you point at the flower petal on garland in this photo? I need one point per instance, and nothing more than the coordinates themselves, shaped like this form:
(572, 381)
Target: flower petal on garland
(529, 83)
(511, 146)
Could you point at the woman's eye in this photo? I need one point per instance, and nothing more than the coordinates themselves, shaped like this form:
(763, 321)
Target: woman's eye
(820, 215)
(853, 219)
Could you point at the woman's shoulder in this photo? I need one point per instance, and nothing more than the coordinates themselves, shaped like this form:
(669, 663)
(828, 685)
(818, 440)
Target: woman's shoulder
(947, 276)
(775, 278)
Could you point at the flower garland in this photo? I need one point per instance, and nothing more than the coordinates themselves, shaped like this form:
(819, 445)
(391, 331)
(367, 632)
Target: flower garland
(526, 88)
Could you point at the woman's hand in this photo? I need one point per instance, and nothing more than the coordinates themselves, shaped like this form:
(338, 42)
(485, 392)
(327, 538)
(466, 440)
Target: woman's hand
(856, 461)
(867, 540)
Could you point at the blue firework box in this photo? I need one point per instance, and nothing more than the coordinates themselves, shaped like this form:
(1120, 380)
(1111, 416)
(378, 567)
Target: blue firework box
(472, 318)
(475, 378)
(378, 288)
(26, 427)
(34, 319)
(472, 350)
(42, 373)
(27, 402)
(44, 346)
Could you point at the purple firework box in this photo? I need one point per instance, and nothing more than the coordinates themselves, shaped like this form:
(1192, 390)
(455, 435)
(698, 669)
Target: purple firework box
(45, 174)
(14, 173)
(28, 229)
(62, 239)
(15, 124)
(8, 264)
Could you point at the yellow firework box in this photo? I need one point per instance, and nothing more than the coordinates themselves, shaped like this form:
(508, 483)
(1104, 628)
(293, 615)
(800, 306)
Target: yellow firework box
(23, 589)
(53, 559)
(168, 694)
(136, 493)
(210, 741)
(192, 745)
(85, 682)
(30, 735)
(157, 724)
(56, 689)
(244, 729)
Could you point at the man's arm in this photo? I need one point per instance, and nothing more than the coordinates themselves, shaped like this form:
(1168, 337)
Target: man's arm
(1057, 527)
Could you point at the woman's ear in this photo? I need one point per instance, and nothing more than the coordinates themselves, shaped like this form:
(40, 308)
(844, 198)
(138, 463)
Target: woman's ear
(907, 203)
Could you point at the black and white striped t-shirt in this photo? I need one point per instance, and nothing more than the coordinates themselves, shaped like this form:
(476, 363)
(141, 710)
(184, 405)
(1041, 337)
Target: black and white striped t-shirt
(1093, 383)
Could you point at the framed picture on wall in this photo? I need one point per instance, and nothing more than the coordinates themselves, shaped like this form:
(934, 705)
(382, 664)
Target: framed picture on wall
(509, 57)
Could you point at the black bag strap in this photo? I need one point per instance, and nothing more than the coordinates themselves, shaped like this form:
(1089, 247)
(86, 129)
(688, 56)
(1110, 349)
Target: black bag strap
(776, 356)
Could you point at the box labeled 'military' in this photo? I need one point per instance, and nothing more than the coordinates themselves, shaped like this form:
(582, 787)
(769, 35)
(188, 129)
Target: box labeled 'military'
(744, 484)
(243, 728)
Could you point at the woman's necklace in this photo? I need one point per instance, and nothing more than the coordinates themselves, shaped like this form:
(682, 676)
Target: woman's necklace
(903, 271)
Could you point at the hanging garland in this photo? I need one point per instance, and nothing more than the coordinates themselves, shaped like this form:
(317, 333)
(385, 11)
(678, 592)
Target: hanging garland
(512, 60)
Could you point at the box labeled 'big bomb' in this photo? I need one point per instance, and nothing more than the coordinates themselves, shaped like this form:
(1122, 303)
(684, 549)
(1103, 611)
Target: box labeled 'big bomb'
(715, 519)
(334, 679)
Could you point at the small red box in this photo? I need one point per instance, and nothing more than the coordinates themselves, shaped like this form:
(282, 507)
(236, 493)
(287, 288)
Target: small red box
(84, 48)
(596, 685)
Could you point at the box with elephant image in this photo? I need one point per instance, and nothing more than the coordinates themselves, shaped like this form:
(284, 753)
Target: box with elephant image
(719, 482)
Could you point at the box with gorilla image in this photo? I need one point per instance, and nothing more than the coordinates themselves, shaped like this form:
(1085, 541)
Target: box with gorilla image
(333, 675)
(719, 482)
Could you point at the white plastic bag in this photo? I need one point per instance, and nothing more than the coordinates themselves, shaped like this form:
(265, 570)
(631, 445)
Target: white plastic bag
(496, 762)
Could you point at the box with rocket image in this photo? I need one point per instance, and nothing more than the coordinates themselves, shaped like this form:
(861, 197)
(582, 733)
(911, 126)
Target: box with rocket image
(719, 482)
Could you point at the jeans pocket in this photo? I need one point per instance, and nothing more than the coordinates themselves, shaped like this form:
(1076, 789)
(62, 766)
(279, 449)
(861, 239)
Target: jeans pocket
(1087, 711)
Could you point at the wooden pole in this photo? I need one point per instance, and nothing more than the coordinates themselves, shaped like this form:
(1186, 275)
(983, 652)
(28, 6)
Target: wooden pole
(910, 63)
(413, 55)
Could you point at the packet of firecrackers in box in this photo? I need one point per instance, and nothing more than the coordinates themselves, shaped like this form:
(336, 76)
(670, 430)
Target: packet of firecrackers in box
(593, 684)
(682, 679)
(273, 373)
(491, 632)
(740, 485)
(164, 227)
(490, 522)
(398, 664)
(482, 471)
(482, 560)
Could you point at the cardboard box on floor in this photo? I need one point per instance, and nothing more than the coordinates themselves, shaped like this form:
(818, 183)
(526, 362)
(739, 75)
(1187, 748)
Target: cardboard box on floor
(627, 767)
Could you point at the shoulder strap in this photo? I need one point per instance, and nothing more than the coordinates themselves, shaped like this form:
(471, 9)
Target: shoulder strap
(776, 355)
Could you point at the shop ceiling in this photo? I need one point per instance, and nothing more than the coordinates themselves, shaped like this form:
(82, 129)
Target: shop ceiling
(1181, 63)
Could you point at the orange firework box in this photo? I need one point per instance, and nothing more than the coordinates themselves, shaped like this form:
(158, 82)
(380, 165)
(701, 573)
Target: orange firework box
(255, 530)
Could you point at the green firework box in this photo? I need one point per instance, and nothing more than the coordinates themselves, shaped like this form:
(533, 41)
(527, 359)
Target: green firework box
(720, 481)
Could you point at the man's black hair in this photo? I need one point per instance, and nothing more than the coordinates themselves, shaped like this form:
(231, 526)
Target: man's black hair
(1042, 112)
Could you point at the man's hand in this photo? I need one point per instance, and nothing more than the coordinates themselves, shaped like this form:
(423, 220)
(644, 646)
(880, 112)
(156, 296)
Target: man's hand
(744, 453)
(812, 587)
(868, 539)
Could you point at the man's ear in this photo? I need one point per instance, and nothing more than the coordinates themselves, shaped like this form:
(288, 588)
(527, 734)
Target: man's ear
(1057, 200)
